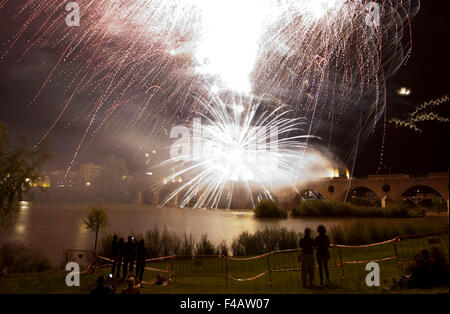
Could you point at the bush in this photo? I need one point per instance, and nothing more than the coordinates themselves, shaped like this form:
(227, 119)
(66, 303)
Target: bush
(16, 258)
(269, 209)
(339, 209)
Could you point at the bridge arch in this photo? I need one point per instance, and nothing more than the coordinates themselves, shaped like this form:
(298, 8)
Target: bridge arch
(311, 194)
(361, 195)
(305, 194)
(423, 195)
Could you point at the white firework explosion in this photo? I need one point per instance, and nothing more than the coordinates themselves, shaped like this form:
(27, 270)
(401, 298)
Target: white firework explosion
(241, 146)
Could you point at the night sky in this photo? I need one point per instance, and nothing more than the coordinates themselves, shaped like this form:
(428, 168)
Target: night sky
(427, 74)
(405, 151)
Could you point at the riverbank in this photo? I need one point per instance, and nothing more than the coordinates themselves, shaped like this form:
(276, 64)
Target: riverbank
(39, 225)
(281, 282)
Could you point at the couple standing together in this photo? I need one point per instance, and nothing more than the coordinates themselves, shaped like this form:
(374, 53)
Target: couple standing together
(307, 244)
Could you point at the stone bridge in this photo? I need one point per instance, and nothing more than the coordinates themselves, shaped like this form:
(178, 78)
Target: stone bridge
(381, 188)
(385, 187)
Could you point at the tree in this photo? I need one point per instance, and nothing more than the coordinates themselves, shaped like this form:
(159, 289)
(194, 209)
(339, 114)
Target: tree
(19, 168)
(436, 203)
(115, 183)
(96, 220)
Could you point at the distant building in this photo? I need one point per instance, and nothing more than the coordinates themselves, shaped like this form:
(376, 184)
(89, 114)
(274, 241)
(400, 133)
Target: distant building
(89, 173)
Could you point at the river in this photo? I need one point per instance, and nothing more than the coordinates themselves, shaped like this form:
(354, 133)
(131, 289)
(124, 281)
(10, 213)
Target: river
(54, 227)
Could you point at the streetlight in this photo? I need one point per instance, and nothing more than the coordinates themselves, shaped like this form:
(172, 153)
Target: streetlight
(404, 91)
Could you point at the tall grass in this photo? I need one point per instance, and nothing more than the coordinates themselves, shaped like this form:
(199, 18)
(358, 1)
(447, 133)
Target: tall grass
(264, 240)
(204, 246)
(104, 245)
(187, 244)
(222, 248)
(357, 233)
(269, 209)
(267, 239)
(339, 209)
(16, 258)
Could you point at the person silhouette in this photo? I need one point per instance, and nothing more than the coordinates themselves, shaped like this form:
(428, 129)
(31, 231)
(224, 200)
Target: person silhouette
(322, 242)
(114, 252)
(307, 258)
(101, 289)
(119, 257)
(132, 287)
(129, 256)
(140, 259)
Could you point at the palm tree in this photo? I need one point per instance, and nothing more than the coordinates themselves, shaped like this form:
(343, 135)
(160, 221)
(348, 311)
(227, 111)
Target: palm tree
(96, 220)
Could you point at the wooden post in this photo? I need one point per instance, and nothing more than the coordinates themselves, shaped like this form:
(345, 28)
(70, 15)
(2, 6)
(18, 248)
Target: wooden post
(299, 260)
(399, 266)
(226, 271)
(268, 269)
(171, 267)
(342, 262)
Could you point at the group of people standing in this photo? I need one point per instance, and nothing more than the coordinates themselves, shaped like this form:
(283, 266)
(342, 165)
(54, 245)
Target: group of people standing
(128, 253)
(307, 245)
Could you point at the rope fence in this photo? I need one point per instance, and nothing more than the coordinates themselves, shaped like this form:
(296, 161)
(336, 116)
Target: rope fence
(241, 269)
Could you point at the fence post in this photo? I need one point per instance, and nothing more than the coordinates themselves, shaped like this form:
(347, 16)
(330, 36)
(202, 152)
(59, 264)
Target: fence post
(342, 262)
(226, 271)
(399, 266)
(268, 269)
(171, 267)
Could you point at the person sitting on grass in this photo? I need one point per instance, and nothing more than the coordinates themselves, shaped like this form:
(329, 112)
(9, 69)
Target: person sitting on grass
(133, 287)
(438, 268)
(419, 275)
(160, 280)
(101, 289)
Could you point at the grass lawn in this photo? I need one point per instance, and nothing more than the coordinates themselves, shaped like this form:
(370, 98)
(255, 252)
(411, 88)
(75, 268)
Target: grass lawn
(282, 282)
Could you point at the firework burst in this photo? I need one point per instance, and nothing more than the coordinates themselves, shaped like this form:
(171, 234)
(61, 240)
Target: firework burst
(240, 143)
(142, 63)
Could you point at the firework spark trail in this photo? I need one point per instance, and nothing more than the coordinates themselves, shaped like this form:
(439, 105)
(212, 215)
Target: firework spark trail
(306, 53)
(232, 151)
(422, 113)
